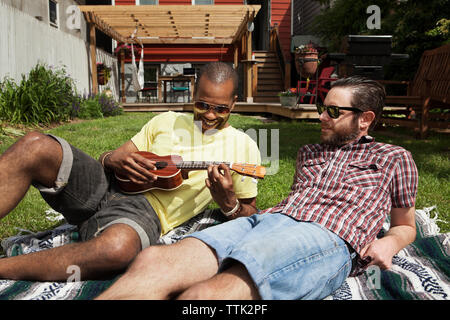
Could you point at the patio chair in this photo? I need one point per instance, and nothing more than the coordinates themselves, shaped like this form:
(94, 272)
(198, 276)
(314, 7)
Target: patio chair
(307, 91)
(324, 82)
(180, 87)
(150, 92)
(319, 87)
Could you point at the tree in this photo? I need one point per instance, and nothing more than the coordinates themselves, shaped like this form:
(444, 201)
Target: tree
(415, 26)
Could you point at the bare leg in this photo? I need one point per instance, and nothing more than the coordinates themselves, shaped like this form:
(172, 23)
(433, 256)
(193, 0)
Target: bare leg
(159, 272)
(233, 284)
(110, 252)
(35, 157)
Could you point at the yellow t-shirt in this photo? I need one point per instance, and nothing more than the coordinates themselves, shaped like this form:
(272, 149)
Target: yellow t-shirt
(173, 133)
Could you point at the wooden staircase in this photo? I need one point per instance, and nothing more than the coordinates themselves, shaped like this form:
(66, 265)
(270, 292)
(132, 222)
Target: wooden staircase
(270, 81)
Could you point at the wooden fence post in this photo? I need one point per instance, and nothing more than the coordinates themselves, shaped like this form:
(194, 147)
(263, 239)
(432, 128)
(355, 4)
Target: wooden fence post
(93, 51)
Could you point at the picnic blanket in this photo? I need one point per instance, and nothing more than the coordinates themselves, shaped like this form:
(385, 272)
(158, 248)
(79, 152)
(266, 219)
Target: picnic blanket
(419, 271)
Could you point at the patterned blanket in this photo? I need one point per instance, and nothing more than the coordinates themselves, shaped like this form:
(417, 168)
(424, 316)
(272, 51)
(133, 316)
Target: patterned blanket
(420, 271)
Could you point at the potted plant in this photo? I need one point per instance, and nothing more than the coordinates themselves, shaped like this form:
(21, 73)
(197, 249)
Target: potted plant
(103, 73)
(126, 49)
(288, 98)
(306, 60)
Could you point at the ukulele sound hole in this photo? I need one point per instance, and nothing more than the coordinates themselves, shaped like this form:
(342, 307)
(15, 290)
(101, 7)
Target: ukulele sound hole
(160, 165)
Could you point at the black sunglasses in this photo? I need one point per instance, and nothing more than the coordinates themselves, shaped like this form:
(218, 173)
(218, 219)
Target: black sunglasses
(205, 107)
(333, 111)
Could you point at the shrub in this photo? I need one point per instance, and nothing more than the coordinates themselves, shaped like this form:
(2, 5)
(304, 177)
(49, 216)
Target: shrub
(95, 106)
(45, 95)
(109, 106)
(48, 95)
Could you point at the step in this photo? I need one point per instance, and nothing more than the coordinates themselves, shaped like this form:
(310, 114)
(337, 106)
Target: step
(276, 76)
(266, 99)
(266, 94)
(270, 87)
(263, 60)
(264, 53)
(273, 64)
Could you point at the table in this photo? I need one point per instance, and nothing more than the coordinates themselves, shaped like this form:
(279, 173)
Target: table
(162, 80)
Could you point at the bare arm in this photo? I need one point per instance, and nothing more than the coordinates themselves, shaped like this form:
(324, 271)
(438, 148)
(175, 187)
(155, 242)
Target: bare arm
(220, 184)
(401, 233)
(129, 164)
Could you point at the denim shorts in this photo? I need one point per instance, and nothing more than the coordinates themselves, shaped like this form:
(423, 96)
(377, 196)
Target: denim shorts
(88, 197)
(287, 259)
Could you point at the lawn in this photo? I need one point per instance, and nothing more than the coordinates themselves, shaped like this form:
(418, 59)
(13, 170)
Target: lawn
(432, 157)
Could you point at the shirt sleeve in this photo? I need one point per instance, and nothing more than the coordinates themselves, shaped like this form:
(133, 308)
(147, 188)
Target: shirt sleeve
(405, 181)
(144, 138)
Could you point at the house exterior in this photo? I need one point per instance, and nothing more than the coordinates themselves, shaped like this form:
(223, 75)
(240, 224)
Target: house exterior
(274, 12)
(163, 59)
(303, 14)
(50, 32)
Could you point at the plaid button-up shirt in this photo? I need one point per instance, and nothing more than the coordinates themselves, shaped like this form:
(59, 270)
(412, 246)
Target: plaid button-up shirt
(350, 189)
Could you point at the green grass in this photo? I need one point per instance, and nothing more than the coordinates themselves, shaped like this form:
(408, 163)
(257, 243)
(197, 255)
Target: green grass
(432, 157)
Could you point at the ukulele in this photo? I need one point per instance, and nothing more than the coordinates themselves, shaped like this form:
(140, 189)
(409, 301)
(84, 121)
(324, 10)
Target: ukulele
(170, 176)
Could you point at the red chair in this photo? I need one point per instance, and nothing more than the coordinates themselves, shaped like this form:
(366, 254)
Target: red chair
(323, 84)
(320, 87)
(307, 90)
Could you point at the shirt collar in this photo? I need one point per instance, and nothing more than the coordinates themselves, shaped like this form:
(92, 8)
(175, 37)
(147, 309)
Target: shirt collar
(366, 139)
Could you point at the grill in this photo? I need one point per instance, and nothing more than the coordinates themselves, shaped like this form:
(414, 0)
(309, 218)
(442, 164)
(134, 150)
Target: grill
(366, 56)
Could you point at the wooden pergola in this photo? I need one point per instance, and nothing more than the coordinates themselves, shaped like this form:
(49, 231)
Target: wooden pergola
(175, 24)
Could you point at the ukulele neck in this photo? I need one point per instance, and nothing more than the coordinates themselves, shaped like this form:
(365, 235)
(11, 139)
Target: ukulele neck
(199, 165)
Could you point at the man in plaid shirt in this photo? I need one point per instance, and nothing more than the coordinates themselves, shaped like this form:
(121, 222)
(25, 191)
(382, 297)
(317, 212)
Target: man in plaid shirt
(305, 246)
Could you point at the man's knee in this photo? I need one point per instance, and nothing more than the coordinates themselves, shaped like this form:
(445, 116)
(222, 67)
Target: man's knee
(36, 148)
(36, 141)
(150, 256)
(121, 245)
(200, 291)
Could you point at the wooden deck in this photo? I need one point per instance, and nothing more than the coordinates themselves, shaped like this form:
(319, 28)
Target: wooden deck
(301, 111)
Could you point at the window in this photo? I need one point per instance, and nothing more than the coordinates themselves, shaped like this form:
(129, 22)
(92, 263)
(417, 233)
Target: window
(194, 2)
(150, 74)
(53, 13)
(144, 2)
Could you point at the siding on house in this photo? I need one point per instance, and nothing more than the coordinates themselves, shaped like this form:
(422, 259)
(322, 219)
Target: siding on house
(173, 2)
(281, 16)
(125, 2)
(26, 41)
(187, 53)
(228, 1)
(304, 13)
(170, 2)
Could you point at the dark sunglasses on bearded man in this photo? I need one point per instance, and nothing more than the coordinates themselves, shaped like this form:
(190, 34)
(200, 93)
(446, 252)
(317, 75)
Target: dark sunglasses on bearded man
(333, 111)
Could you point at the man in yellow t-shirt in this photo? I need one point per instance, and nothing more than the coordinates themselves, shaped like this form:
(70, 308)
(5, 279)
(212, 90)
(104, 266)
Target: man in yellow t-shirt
(114, 226)
(175, 134)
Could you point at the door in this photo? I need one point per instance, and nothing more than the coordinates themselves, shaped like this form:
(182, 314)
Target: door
(261, 33)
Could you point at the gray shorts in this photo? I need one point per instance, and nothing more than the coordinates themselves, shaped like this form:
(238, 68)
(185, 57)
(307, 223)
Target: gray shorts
(90, 198)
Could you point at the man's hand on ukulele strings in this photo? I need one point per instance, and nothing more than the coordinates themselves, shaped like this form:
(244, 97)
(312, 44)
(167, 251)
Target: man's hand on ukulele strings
(220, 184)
(133, 166)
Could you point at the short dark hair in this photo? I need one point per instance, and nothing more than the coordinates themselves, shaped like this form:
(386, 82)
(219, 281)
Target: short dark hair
(219, 72)
(367, 94)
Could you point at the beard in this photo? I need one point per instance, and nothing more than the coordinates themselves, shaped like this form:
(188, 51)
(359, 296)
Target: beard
(342, 136)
